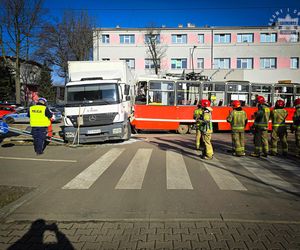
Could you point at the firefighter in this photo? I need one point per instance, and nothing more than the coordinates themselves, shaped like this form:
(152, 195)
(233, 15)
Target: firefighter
(279, 130)
(206, 129)
(40, 117)
(296, 125)
(261, 122)
(197, 114)
(238, 120)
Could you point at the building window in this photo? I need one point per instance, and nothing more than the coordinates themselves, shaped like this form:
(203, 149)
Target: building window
(245, 63)
(222, 63)
(268, 38)
(294, 62)
(105, 59)
(153, 37)
(130, 62)
(127, 39)
(294, 38)
(200, 63)
(179, 38)
(222, 38)
(268, 63)
(150, 65)
(179, 63)
(105, 38)
(200, 38)
(245, 38)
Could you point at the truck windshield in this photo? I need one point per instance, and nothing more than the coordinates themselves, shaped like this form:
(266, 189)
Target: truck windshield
(93, 94)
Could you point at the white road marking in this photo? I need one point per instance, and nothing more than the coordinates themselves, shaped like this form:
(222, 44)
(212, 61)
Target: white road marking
(35, 159)
(134, 175)
(87, 177)
(223, 178)
(270, 179)
(177, 175)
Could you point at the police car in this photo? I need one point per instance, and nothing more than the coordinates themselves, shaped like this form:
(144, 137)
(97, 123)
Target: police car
(21, 116)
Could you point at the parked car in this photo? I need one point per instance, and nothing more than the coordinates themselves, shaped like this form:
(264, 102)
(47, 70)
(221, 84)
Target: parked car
(6, 109)
(22, 116)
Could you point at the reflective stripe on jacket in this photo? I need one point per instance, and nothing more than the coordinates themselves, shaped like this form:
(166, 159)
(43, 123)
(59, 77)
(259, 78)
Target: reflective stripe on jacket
(278, 117)
(237, 119)
(262, 117)
(38, 117)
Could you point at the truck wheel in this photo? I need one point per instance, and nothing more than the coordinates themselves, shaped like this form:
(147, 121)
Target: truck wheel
(183, 129)
(9, 120)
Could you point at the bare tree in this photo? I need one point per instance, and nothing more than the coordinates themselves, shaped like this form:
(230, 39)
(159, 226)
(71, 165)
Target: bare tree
(18, 26)
(155, 49)
(66, 40)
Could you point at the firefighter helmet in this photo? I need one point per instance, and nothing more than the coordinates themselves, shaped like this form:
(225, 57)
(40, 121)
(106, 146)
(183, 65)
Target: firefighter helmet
(236, 104)
(297, 102)
(260, 99)
(205, 103)
(279, 103)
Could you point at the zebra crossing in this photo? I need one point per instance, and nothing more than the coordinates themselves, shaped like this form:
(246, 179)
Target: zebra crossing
(177, 174)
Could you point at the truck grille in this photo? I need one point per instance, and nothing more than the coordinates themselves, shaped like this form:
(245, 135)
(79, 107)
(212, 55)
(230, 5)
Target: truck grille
(94, 119)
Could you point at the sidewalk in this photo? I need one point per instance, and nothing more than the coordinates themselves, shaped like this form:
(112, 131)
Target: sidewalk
(150, 235)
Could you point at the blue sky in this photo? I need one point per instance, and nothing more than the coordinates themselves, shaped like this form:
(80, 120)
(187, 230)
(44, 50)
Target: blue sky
(140, 13)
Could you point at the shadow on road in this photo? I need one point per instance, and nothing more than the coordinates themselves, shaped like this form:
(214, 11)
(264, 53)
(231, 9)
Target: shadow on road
(35, 237)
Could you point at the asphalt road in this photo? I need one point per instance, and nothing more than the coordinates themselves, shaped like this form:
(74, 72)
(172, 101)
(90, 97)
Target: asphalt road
(152, 176)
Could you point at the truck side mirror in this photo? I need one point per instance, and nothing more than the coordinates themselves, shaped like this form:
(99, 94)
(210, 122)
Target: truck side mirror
(126, 89)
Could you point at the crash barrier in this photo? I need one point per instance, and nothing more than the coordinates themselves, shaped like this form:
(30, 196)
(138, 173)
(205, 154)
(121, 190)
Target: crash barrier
(4, 129)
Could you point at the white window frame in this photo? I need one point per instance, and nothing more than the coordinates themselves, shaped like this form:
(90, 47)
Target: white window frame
(268, 62)
(200, 63)
(105, 38)
(179, 38)
(268, 37)
(130, 62)
(179, 63)
(245, 63)
(294, 62)
(222, 38)
(294, 38)
(222, 63)
(156, 36)
(245, 37)
(127, 39)
(200, 38)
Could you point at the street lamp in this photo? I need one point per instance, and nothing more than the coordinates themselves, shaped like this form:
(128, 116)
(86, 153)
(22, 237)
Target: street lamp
(193, 58)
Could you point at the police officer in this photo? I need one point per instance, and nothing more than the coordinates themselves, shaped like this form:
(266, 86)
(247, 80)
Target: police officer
(261, 122)
(238, 120)
(296, 125)
(197, 115)
(206, 129)
(40, 117)
(279, 130)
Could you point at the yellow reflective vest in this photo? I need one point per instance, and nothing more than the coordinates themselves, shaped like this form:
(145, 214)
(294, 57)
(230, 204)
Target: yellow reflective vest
(38, 117)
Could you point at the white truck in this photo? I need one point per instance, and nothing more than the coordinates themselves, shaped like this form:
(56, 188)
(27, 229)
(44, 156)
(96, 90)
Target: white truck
(98, 101)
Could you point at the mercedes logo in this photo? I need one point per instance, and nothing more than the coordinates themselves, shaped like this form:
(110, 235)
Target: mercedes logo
(92, 118)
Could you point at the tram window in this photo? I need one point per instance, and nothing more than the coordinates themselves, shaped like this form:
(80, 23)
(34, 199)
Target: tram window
(207, 87)
(187, 93)
(261, 88)
(220, 87)
(283, 89)
(242, 97)
(161, 93)
(254, 96)
(238, 88)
